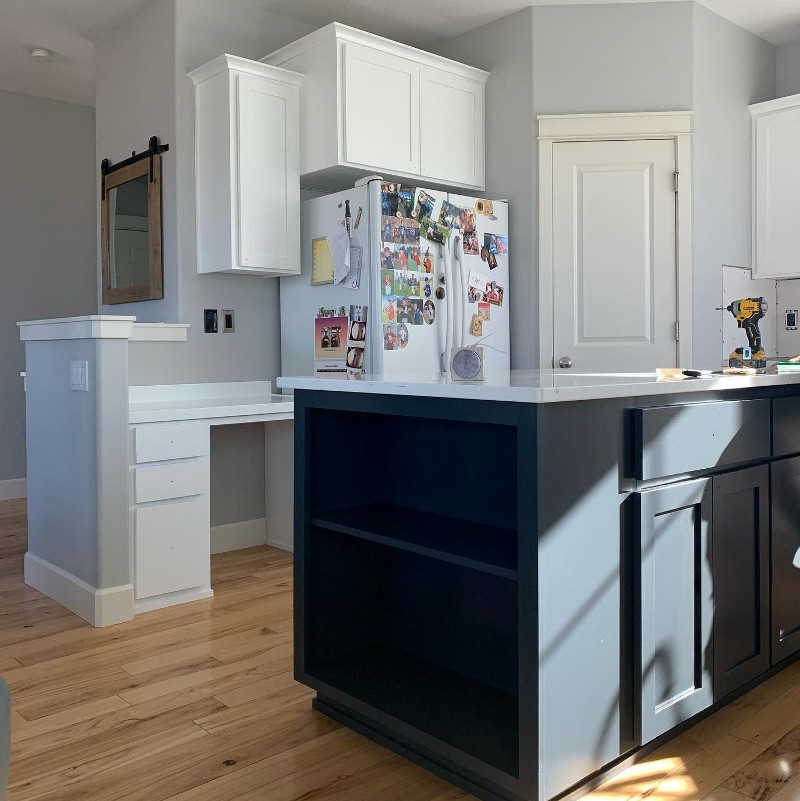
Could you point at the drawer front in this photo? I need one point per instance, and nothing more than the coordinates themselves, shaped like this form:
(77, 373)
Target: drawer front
(162, 482)
(172, 547)
(158, 443)
(785, 426)
(675, 440)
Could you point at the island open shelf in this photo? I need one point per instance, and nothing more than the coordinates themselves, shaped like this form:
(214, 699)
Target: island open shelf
(491, 549)
(426, 641)
(408, 580)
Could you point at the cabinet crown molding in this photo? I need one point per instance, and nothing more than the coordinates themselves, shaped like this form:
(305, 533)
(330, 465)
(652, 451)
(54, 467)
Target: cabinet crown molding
(227, 62)
(779, 104)
(337, 31)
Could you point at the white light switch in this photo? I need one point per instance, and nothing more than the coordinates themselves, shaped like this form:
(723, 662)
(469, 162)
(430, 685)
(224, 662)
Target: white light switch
(79, 376)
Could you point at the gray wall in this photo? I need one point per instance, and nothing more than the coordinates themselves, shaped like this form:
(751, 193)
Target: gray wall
(77, 450)
(134, 100)
(788, 79)
(47, 231)
(612, 58)
(505, 48)
(732, 68)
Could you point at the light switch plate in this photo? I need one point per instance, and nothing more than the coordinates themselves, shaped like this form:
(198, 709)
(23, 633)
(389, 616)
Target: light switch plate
(79, 376)
(228, 321)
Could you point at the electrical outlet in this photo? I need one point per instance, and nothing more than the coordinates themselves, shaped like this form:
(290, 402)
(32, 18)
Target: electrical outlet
(791, 319)
(210, 325)
(228, 322)
(79, 376)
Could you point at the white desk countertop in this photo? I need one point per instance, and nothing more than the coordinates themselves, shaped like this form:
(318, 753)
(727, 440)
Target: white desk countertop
(229, 402)
(540, 386)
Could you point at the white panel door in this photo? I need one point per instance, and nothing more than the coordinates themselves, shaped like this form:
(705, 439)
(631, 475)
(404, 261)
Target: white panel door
(777, 201)
(452, 127)
(268, 207)
(614, 255)
(381, 109)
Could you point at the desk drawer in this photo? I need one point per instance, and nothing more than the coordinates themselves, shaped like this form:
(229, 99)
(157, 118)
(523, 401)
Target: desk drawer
(162, 482)
(675, 440)
(159, 442)
(172, 547)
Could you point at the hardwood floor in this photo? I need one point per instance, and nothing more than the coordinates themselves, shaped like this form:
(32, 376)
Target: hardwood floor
(197, 703)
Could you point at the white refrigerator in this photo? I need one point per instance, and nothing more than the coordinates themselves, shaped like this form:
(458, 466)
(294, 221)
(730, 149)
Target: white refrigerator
(433, 276)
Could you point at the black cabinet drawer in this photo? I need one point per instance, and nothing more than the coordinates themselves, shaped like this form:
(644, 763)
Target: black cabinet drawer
(678, 440)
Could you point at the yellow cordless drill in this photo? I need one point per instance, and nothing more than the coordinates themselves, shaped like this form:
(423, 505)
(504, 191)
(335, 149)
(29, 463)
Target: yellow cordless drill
(748, 311)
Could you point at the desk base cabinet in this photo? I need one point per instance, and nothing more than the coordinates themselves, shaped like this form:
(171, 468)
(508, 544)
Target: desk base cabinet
(171, 491)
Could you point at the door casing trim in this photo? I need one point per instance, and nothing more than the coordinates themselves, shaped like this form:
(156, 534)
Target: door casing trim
(555, 128)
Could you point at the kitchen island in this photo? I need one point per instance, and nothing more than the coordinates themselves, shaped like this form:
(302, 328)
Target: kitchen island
(522, 585)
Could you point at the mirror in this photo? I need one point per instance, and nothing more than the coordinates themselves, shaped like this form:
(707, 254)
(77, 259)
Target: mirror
(131, 232)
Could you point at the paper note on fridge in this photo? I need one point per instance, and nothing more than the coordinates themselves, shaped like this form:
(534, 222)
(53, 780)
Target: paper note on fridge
(339, 244)
(353, 278)
(477, 281)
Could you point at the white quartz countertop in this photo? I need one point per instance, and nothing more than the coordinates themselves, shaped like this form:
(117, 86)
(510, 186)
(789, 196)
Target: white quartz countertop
(539, 386)
(229, 402)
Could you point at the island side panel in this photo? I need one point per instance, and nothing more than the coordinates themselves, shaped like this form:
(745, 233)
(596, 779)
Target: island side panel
(585, 555)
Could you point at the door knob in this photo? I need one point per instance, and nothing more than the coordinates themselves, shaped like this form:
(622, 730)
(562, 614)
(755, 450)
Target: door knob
(565, 362)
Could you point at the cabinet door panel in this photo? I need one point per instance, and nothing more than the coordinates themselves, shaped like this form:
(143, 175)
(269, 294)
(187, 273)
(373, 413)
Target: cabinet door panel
(452, 127)
(740, 543)
(777, 194)
(785, 558)
(267, 170)
(381, 109)
(676, 606)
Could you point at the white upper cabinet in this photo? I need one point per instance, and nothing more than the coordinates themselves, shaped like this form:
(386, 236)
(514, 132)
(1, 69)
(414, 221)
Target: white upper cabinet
(776, 188)
(248, 167)
(453, 151)
(381, 109)
(371, 106)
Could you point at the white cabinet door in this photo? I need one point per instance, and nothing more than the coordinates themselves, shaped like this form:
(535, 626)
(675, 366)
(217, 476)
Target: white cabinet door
(267, 170)
(381, 109)
(451, 127)
(614, 255)
(777, 194)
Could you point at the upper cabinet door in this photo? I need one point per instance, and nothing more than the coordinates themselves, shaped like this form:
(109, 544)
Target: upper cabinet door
(381, 109)
(267, 169)
(452, 127)
(776, 142)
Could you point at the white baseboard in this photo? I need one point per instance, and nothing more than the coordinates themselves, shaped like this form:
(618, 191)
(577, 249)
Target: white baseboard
(281, 544)
(98, 607)
(172, 599)
(13, 488)
(235, 536)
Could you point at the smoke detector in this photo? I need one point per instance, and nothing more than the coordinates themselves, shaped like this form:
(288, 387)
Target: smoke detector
(42, 54)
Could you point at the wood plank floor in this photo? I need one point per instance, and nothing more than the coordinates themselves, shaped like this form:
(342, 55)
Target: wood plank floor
(197, 703)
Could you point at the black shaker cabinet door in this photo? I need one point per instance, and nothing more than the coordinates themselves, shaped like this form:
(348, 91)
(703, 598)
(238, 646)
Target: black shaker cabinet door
(740, 543)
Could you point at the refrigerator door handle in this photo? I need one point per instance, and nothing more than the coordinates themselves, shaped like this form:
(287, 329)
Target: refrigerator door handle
(449, 310)
(460, 290)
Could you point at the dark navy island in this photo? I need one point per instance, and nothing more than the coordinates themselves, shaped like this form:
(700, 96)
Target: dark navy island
(525, 586)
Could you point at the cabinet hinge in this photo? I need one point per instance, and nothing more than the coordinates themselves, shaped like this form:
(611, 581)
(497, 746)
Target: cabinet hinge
(677, 176)
(677, 331)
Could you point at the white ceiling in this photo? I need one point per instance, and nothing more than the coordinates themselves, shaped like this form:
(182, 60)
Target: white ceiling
(70, 28)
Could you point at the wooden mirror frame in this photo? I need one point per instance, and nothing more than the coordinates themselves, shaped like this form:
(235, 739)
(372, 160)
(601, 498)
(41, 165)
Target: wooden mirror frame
(154, 288)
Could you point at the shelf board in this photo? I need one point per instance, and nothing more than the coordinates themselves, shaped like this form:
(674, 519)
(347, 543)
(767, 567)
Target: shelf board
(467, 714)
(490, 549)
